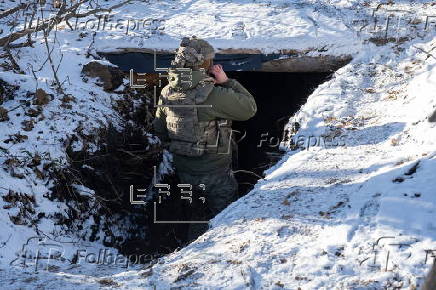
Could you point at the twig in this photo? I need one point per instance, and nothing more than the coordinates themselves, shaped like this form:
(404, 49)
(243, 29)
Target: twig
(55, 75)
(249, 172)
(4, 41)
(13, 109)
(426, 52)
(103, 9)
(11, 58)
(29, 42)
(12, 10)
(66, 79)
(3, 244)
(9, 55)
(34, 75)
(62, 15)
(88, 52)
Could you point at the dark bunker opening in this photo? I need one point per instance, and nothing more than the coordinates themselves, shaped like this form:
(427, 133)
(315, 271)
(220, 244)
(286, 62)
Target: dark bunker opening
(278, 96)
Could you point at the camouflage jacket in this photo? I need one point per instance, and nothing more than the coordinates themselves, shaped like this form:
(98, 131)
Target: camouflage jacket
(220, 104)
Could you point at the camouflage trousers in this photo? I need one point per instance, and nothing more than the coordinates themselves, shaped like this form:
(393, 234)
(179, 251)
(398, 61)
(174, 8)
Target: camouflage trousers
(219, 190)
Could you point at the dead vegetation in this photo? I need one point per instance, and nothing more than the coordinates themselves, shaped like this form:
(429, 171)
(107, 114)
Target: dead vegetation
(36, 19)
(66, 10)
(93, 185)
(107, 282)
(124, 158)
(120, 157)
(7, 92)
(25, 204)
(185, 271)
(379, 41)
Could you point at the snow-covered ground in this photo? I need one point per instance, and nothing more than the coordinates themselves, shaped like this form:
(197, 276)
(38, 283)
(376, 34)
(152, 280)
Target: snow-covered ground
(359, 216)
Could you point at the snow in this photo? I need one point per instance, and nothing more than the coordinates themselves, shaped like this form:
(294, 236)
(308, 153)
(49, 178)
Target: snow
(322, 218)
(340, 201)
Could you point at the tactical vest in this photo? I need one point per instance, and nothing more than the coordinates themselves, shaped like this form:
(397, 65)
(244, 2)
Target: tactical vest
(188, 135)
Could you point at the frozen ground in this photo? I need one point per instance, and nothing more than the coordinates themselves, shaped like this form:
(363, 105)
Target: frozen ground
(359, 216)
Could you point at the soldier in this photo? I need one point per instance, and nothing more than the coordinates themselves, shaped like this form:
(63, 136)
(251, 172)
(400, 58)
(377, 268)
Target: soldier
(195, 124)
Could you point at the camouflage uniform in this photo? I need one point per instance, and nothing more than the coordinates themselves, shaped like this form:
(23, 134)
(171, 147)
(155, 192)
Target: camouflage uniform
(200, 137)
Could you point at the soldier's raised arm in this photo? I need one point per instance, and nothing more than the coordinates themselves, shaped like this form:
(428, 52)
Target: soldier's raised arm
(230, 100)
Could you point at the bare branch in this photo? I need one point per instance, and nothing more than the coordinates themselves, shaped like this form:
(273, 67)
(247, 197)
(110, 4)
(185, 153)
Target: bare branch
(426, 52)
(49, 52)
(12, 10)
(63, 14)
(11, 58)
(91, 12)
(29, 42)
(50, 23)
(90, 47)
(34, 76)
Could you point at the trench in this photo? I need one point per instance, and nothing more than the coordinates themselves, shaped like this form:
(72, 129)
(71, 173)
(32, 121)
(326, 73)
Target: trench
(278, 96)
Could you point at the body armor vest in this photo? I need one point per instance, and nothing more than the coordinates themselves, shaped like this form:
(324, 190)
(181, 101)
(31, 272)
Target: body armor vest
(188, 135)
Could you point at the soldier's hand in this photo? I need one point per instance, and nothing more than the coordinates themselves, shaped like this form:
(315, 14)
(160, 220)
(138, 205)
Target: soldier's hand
(218, 72)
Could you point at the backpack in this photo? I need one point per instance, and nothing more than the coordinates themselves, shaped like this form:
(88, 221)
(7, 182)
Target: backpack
(188, 135)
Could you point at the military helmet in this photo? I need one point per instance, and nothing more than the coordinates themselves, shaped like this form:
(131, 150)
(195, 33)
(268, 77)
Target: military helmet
(193, 52)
